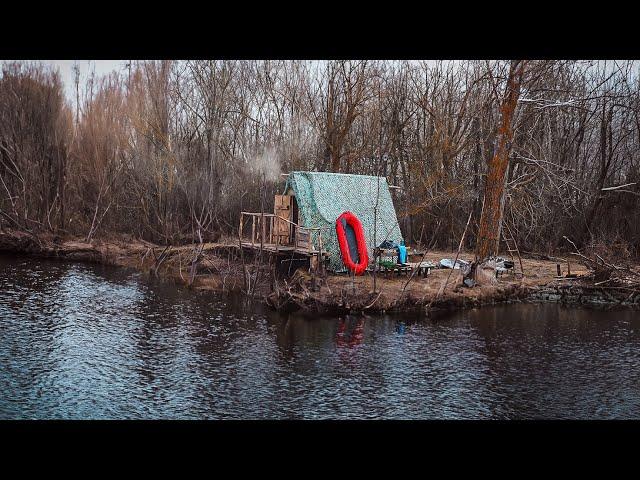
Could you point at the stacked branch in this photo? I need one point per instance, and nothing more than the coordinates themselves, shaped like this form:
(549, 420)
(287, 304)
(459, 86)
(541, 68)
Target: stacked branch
(605, 272)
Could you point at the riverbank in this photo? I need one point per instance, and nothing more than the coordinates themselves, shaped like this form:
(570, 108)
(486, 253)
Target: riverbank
(442, 290)
(222, 267)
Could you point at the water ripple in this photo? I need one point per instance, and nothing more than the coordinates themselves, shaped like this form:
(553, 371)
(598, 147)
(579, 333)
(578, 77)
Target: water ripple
(80, 341)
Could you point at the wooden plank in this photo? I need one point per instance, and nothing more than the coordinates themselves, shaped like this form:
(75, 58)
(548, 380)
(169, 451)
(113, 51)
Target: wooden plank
(283, 212)
(303, 239)
(271, 229)
(288, 248)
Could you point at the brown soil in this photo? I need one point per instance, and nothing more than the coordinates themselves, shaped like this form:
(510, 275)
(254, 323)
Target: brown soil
(400, 293)
(220, 268)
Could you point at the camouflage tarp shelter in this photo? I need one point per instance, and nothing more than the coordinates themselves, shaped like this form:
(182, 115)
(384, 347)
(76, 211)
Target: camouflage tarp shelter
(321, 197)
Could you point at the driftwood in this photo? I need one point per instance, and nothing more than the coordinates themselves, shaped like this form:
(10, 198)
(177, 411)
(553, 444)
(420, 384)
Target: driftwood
(603, 271)
(194, 263)
(159, 260)
(293, 295)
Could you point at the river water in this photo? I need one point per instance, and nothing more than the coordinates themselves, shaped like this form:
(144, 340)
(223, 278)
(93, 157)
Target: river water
(86, 341)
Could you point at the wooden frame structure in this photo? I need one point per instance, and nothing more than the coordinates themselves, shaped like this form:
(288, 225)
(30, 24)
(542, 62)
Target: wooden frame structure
(276, 234)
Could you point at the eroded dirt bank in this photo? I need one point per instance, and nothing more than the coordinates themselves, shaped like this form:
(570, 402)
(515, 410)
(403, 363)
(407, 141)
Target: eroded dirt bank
(402, 294)
(221, 267)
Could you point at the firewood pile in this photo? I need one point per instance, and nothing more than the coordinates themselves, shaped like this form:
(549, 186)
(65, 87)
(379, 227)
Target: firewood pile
(603, 270)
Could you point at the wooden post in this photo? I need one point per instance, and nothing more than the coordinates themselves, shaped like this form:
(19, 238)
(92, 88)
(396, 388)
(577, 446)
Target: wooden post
(271, 229)
(253, 229)
(321, 257)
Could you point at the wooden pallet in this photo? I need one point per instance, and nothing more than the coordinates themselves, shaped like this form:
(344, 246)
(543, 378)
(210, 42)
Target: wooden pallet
(400, 269)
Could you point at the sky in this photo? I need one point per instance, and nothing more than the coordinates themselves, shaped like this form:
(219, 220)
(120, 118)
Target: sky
(101, 67)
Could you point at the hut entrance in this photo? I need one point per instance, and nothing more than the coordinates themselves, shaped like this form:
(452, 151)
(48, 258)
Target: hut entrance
(283, 209)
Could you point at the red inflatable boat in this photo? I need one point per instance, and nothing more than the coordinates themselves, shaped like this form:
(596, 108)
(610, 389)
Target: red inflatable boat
(353, 245)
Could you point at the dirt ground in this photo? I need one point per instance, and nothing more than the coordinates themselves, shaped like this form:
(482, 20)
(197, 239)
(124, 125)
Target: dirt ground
(220, 268)
(401, 292)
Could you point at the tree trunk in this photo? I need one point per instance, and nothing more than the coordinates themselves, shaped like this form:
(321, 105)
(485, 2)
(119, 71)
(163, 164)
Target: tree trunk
(493, 206)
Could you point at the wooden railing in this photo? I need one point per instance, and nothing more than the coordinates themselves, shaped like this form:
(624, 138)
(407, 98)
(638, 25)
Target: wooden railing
(265, 230)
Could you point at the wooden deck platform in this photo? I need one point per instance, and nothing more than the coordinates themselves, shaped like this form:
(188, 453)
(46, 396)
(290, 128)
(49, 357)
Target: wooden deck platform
(274, 248)
(275, 234)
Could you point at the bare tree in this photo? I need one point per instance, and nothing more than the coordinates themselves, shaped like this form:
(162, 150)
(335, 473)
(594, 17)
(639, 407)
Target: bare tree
(494, 191)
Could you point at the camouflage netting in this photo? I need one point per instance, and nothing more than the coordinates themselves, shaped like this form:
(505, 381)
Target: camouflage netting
(322, 197)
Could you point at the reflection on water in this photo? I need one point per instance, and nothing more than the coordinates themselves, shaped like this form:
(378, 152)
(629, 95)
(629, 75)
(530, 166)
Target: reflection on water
(80, 341)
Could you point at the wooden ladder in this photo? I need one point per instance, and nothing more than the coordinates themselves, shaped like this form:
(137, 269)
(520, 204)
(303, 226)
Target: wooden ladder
(512, 247)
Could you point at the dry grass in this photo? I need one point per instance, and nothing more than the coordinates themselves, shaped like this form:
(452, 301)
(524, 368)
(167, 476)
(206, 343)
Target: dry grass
(219, 269)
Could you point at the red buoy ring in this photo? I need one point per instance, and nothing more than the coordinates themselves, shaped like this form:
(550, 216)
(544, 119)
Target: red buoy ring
(353, 245)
